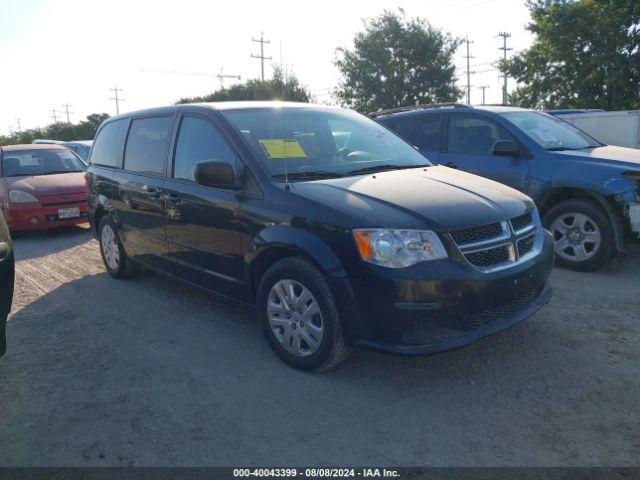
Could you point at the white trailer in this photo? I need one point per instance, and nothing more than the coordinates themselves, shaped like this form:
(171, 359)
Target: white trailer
(613, 128)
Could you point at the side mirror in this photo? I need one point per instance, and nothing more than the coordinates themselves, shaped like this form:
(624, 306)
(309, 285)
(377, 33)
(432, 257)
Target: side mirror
(505, 148)
(215, 173)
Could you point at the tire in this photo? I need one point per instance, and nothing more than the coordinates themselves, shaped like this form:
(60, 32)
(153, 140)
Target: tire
(582, 233)
(115, 259)
(316, 334)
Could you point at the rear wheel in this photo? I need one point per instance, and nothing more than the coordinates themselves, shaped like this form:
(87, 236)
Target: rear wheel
(299, 316)
(114, 257)
(582, 234)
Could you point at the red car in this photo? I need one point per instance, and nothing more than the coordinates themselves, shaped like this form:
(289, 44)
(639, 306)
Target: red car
(42, 186)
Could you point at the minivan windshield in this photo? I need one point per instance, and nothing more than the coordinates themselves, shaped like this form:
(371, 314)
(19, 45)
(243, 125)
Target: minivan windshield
(549, 132)
(313, 143)
(22, 163)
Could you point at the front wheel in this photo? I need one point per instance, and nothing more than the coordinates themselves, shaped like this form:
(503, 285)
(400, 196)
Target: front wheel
(582, 234)
(299, 316)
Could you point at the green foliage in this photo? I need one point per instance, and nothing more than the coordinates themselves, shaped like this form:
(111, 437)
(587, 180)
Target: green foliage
(277, 88)
(586, 55)
(397, 61)
(85, 130)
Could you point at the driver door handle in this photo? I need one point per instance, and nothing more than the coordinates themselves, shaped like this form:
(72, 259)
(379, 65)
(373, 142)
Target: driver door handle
(172, 198)
(152, 192)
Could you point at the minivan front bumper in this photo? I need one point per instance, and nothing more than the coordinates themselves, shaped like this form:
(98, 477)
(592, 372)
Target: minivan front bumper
(443, 305)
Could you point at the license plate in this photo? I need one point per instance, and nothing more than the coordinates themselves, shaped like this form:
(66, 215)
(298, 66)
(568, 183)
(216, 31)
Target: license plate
(65, 213)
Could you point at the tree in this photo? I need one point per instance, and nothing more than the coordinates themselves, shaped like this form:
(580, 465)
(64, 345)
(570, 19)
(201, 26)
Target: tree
(397, 61)
(84, 130)
(586, 54)
(277, 88)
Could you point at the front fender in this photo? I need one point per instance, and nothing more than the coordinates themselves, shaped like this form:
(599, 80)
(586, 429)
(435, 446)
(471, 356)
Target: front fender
(297, 240)
(306, 243)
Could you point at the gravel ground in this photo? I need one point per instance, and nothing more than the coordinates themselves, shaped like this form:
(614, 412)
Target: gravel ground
(147, 372)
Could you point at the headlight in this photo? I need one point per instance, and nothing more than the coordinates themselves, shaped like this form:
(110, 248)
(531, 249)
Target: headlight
(398, 248)
(18, 196)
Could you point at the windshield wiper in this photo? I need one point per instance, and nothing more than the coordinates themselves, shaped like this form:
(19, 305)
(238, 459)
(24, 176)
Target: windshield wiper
(55, 172)
(382, 168)
(315, 174)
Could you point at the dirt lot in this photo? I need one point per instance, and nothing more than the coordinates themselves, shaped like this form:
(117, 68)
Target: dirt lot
(147, 372)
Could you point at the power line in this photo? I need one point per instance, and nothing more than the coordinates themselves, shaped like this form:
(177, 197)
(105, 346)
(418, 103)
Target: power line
(67, 111)
(116, 98)
(54, 115)
(504, 49)
(468, 57)
(262, 58)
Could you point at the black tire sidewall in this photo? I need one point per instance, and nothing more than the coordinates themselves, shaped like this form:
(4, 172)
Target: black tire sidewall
(120, 271)
(607, 245)
(312, 279)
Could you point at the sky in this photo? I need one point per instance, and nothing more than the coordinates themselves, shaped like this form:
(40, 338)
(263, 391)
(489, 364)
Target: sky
(56, 52)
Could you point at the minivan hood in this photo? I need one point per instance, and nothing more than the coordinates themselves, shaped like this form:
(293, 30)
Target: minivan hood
(619, 156)
(47, 185)
(442, 198)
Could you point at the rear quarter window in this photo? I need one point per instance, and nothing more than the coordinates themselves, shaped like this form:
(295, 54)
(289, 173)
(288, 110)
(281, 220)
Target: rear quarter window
(107, 146)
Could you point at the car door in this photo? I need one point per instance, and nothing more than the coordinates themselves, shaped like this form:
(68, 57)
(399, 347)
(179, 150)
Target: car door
(468, 146)
(139, 203)
(202, 223)
(423, 131)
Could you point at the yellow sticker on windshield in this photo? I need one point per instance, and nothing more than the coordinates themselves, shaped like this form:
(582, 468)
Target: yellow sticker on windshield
(281, 148)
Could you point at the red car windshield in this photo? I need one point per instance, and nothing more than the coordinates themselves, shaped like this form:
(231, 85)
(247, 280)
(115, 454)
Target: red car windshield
(22, 163)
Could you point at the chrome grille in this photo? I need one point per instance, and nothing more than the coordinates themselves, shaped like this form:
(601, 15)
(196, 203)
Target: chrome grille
(523, 221)
(487, 258)
(526, 245)
(498, 245)
(477, 234)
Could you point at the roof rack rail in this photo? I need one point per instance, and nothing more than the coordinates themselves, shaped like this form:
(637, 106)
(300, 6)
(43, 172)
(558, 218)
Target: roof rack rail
(418, 107)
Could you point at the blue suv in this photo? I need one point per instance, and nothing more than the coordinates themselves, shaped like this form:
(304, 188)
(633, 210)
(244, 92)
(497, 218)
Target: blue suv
(588, 193)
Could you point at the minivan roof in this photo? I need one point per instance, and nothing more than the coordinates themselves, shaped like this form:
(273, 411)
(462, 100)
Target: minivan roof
(234, 105)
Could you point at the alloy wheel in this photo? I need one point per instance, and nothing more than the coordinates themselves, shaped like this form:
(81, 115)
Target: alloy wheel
(295, 318)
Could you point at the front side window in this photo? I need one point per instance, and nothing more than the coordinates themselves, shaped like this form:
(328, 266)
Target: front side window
(198, 140)
(148, 145)
(107, 146)
(473, 134)
(422, 131)
(25, 163)
(315, 142)
(550, 132)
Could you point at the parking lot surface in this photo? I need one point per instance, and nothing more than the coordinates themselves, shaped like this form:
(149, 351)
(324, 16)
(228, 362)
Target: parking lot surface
(150, 372)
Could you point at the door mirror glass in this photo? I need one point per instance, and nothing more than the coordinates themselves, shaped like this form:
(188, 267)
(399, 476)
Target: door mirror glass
(215, 173)
(505, 148)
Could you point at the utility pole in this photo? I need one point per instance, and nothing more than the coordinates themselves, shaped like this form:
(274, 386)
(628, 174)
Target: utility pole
(468, 57)
(262, 58)
(504, 49)
(221, 76)
(483, 87)
(67, 111)
(18, 123)
(54, 115)
(116, 98)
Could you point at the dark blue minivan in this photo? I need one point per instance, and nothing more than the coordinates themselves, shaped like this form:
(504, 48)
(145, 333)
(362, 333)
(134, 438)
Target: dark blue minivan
(587, 193)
